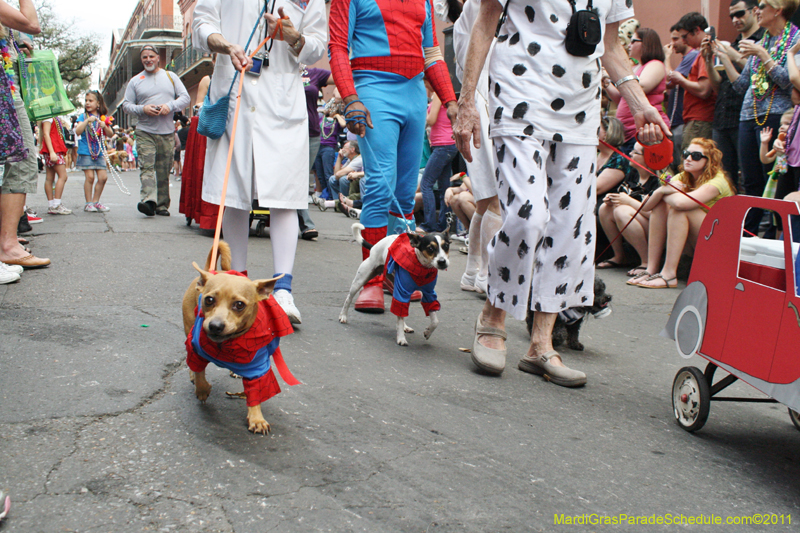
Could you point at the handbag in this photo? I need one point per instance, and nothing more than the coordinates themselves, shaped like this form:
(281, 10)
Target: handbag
(41, 86)
(213, 118)
(584, 31)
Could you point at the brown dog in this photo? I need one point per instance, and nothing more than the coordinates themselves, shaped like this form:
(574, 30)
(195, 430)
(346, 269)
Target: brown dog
(230, 306)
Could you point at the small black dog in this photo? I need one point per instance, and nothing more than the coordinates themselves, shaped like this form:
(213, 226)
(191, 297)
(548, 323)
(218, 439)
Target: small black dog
(569, 321)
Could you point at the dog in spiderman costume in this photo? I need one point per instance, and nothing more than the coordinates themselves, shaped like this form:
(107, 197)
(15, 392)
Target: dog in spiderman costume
(379, 50)
(414, 260)
(231, 321)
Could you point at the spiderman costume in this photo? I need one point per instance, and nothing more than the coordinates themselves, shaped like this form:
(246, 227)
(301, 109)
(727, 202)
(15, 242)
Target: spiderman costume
(378, 51)
(247, 355)
(410, 275)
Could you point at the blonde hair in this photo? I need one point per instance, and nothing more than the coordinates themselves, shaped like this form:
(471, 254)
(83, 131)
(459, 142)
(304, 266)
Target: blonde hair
(787, 7)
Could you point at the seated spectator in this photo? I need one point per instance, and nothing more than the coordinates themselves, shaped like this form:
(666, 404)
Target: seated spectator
(348, 167)
(460, 200)
(612, 168)
(619, 207)
(675, 218)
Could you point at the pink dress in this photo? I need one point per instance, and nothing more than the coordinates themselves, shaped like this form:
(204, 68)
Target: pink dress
(656, 99)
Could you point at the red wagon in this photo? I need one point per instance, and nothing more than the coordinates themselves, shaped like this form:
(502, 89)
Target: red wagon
(740, 311)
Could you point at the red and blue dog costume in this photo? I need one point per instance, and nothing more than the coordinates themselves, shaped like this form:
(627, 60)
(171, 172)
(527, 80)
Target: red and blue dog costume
(376, 52)
(247, 355)
(409, 276)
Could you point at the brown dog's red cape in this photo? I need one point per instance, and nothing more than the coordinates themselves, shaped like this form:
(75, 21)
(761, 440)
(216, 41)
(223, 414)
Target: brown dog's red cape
(247, 355)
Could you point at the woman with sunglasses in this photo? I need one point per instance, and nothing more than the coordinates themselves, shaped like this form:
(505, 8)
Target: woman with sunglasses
(675, 218)
(646, 48)
(767, 88)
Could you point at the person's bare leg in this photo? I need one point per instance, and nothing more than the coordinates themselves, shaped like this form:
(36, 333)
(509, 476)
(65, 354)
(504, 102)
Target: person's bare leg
(606, 216)
(542, 336)
(496, 318)
(102, 177)
(49, 177)
(61, 171)
(657, 236)
(11, 208)
(635, 233)
(88, 185)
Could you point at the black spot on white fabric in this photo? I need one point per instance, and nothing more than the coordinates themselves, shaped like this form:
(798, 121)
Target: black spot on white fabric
(525, 210)
(501, 153)
(553, 152)
(558, 138)
(588, 237)
(564, 202)
(505, 274)
(562, 289)
(598, 131)
(591, 171)
(514, 39)
(531, 179)
(546, 203)
(561, 263)
(502, 38)
(584, 299)
(577, 231)
(537, 307)
(549, 183)
(503, 237)
(557, 104)
(573, 163)
(558, 71)
(519, 69)
(497, 89)
(563, 305)
(502, 297)
(579, 179)
(498, 114)
(580, 117)
(514, 163)
(530, 13)
(548, 242)
(523, 249)
(497, 174)
(628, 3)
(537, 158)
(521, 279)
(553, 18)
(519, 110)
(586, 79)
(589, 192)
(537, 265)
(534, 48)
(514, 300)
(494, 241)
(528, 130)
(585, 258)
(579, 287)
(539, 244)
(511, 196)
(599, 93)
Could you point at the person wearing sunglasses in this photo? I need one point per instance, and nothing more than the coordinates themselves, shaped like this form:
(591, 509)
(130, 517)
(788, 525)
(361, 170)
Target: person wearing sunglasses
(729, 102)
(675, 218)
(766, 85)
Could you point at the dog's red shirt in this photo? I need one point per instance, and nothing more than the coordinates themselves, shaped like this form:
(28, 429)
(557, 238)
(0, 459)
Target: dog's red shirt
(410, 275)
(247, 355)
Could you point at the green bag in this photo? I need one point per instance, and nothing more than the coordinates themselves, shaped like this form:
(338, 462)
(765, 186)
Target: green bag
(41, 86)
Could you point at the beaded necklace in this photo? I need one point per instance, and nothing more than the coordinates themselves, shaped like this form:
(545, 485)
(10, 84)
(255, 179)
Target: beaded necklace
(332, 122)
(8, 64)
(93, 140)
(60, 129)
(759, 80)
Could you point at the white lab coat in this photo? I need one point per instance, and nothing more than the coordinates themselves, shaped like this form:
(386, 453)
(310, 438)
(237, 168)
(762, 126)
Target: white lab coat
(270, 153)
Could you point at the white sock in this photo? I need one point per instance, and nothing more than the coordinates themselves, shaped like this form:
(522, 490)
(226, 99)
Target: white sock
(236, 230)
(474, 248)
(492, 222)
(51, 203)
(283, 228)
(56, 202)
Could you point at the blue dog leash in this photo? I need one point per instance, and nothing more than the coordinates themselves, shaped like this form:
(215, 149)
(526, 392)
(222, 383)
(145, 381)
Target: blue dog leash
(357, 116)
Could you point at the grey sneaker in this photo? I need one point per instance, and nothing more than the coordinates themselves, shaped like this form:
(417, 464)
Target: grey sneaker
(90, 208)
(59, 210)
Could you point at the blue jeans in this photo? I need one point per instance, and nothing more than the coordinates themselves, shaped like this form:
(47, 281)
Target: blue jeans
(323, 164)
(338, 185)
(436, 171)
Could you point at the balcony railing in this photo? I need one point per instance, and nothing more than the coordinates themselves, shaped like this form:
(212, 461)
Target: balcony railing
(186, 59)
(154, 22)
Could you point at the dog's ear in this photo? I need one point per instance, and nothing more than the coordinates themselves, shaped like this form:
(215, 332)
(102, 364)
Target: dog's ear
(201, 282)
(264, 286)
(446, 236)
(413, 238)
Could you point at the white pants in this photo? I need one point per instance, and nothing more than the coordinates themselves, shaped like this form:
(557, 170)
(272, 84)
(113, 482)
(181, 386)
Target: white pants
(546, 245)
(481, 170)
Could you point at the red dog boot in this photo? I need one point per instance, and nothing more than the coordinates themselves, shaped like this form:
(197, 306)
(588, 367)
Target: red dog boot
(370, 300)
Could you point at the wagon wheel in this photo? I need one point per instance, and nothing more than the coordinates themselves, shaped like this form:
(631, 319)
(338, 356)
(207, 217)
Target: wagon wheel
(261, 228)
(691, 398)
(795, 416)
(689, 329)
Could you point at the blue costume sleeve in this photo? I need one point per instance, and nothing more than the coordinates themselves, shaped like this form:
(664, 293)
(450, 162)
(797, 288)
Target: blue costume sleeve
(427, 27)
(403, 285)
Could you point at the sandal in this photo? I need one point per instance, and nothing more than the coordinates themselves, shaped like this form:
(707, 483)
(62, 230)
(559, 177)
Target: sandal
(638, 270)
(310, 234)
(665, 281)
(23, 240)
(635, 279)
(608, 264)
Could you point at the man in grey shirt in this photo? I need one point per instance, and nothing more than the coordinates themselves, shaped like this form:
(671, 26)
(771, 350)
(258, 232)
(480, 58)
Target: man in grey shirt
(154, 95)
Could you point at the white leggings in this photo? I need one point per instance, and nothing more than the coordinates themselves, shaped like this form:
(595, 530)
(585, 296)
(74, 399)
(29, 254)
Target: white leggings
(546, 245)
(283, 228)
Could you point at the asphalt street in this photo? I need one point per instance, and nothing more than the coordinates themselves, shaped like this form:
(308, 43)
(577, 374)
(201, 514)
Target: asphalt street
(100, 430)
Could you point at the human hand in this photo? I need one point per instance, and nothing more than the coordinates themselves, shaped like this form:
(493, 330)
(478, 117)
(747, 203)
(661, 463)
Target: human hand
(766, 135)
(280, 27)
(239, 58)
(708, 49)
(779, 146)
(352, 176)
(452, 112)
(467, 126)
(676, 78)
(53, 156)
(356, 120)
(667, 52)
(751, 48)
(164, 109)
(151, 110)
(650, 126)
(795, 48)
(449, 193)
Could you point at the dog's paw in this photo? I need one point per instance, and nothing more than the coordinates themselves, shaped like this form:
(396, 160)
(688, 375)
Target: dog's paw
(343, 319)
(202, 390)
(258, 425)
(427, 333)
(402, 342)
(408, 329)
(577, 346)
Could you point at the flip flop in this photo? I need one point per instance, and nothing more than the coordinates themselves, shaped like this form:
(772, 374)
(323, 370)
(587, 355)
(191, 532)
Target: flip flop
(310, 234)
(23, 240)
(638, 270)
(609, 264)
(634, 280)
(665, 281)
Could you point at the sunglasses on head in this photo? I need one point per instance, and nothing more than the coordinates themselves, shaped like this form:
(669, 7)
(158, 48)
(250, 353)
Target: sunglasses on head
(738, 14)
(694, 156)
(763, 5)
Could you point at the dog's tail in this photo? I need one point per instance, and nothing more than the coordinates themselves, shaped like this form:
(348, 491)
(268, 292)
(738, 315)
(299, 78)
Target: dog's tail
(224, 258)
(357, 228)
